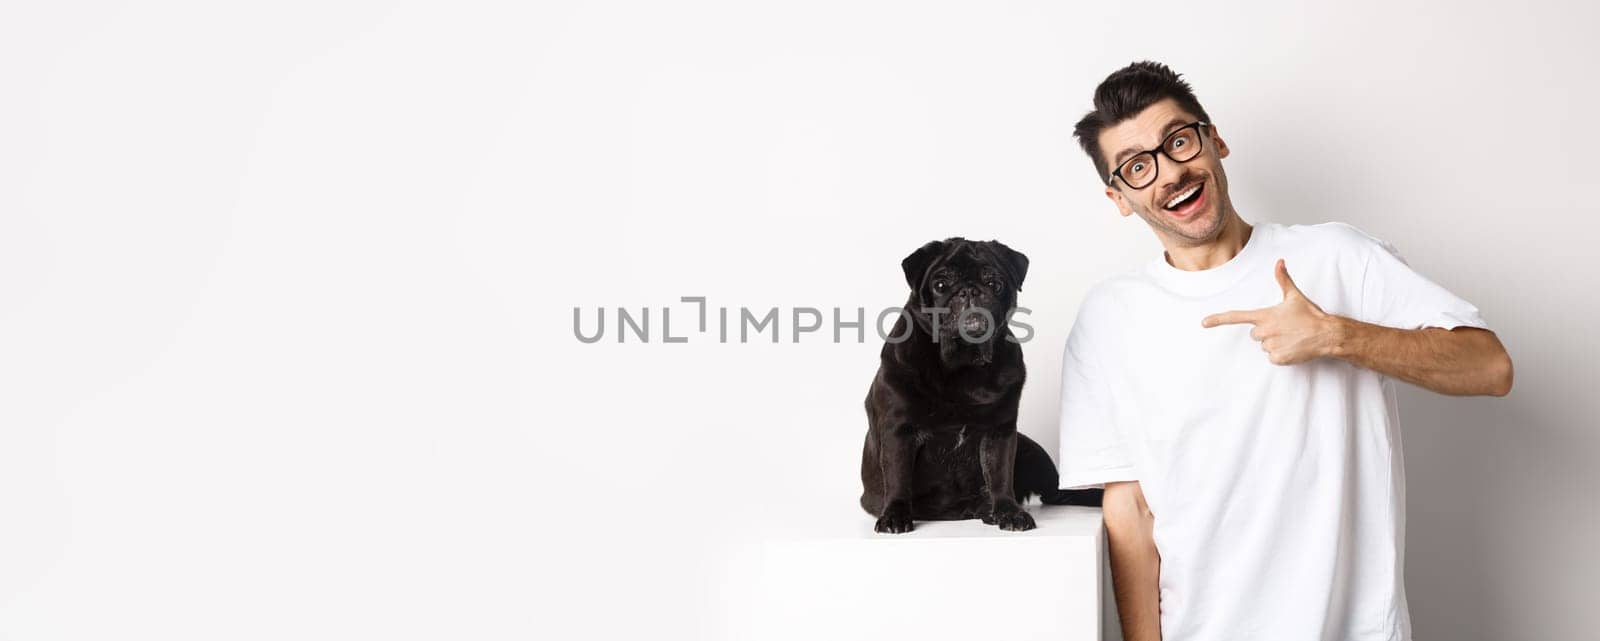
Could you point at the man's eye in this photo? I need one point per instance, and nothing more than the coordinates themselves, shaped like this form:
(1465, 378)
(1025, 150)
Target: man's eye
(1136, 167)
(1179, 143)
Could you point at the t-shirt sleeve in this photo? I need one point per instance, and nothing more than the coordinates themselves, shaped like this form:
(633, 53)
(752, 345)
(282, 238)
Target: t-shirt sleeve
(1092, 452)
(1395, 295)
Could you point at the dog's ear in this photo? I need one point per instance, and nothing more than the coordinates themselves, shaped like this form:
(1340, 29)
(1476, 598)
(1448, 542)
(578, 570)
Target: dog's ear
(917, 263)
(1011, 260)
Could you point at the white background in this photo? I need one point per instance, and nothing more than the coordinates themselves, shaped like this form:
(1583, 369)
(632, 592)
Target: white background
(286, 290)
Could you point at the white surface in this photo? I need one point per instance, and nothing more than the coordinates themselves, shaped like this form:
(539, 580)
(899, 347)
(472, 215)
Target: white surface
(1054, 521)
(286, 289)
(955, 580)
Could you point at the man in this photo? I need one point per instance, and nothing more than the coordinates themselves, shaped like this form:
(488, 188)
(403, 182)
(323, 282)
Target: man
(1235, 397)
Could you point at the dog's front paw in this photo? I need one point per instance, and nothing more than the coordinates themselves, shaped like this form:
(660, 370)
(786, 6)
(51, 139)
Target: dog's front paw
(1011, 521)
(893, 522)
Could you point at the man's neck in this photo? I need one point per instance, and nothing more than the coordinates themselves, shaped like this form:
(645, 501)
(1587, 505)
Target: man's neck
(1191, 258)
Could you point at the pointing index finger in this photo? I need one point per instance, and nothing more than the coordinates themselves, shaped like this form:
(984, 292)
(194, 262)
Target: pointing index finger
(1232, 318)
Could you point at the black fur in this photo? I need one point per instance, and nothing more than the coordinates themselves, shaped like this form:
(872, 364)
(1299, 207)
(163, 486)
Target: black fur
(942, 440)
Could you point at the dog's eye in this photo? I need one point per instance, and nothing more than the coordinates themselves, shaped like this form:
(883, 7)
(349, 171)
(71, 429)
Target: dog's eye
(939, 285)
(992, 283)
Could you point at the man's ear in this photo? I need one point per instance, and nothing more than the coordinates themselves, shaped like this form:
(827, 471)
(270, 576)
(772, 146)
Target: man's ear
(917, 263)
(1222, 147)
(1012, 261)
(1116, 197)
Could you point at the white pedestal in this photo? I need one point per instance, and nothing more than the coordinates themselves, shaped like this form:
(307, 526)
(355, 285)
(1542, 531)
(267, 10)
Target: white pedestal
(959, 580)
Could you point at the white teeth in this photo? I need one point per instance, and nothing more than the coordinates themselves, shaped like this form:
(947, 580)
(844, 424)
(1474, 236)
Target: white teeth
(1179, 198)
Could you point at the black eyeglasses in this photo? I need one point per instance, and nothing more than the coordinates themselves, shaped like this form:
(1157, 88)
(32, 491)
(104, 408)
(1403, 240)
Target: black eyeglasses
(1181, 145)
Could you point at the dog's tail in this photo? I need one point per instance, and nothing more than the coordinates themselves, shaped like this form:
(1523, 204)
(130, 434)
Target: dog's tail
(1036, 474)
(1089, 497)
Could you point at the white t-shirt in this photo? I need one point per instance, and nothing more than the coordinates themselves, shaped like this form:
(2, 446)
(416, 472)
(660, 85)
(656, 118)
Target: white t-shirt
(1278, 491)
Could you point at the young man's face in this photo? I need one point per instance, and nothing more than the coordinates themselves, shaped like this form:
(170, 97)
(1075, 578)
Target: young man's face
(1199, 218)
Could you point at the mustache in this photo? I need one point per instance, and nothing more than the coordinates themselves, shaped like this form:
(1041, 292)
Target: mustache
(1184, 181)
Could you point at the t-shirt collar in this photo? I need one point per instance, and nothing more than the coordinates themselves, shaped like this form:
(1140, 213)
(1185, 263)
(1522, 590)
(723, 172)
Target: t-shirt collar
(1207, 282)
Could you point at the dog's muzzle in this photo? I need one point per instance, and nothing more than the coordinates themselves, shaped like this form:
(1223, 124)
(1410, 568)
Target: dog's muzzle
(975, 324)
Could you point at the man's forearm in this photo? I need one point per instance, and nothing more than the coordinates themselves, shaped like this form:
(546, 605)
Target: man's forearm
(1460, 361)
(1135, 563)
(1463, 361)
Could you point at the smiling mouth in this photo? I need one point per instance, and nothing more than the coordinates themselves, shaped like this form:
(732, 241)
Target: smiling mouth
(1188, 202)
(1178, 200)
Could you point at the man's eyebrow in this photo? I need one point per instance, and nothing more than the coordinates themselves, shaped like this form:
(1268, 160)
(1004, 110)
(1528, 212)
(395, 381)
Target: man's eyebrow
(1165, 129)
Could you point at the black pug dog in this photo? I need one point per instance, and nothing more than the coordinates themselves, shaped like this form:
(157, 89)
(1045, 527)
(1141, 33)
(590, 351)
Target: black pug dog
(942, 440)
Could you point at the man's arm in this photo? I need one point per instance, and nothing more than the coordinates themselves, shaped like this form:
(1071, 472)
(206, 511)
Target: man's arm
(1135, 564)
(1462, 361)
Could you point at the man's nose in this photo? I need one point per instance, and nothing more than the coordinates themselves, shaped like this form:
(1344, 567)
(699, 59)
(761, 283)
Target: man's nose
(1169, 171)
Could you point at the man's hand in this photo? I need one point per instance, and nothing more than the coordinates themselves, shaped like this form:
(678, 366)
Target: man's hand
(1293, 331)
(1462, 361)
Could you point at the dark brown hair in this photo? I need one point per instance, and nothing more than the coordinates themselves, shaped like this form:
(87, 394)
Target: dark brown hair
(1125, 93)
